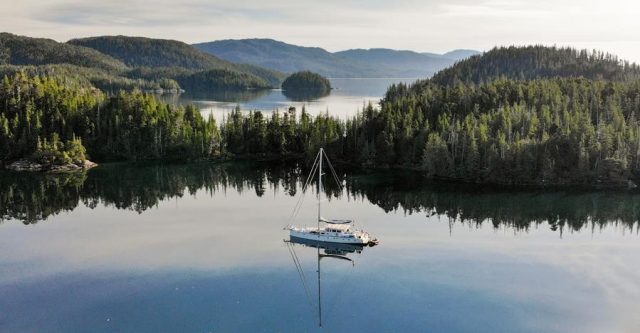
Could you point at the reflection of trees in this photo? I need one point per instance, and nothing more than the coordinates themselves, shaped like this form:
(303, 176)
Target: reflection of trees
(34, 197)
(519, 209)
(305, 95)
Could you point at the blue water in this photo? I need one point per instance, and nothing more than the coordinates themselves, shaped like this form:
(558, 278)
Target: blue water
(126, 253)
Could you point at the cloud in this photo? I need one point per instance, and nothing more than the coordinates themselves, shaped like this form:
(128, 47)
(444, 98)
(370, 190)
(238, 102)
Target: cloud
(431, 25)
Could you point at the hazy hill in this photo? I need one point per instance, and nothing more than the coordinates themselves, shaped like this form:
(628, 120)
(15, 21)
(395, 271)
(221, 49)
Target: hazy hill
(399, 63)
(532, 62)
(20, 50)
(460, 54)
(286, 57)
(350, 63)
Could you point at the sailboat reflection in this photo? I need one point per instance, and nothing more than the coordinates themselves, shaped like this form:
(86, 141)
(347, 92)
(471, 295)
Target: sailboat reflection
(338, 251)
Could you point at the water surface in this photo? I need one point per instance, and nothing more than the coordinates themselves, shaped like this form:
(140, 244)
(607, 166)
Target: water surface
(200, 248)
(346, 99)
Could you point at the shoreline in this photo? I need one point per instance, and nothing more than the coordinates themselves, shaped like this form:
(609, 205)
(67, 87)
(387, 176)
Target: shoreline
(25, 165)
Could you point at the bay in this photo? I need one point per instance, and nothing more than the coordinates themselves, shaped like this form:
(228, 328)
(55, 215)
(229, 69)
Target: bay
(201, 248)
(347, 97)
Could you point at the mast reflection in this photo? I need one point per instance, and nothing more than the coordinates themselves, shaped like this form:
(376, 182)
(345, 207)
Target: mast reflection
(324, 250)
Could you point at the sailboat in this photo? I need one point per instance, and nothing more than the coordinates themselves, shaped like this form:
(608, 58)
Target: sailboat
(329, 230)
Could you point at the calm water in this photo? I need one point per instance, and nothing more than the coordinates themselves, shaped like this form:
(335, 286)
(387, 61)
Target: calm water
(347, 97)
(199, 248)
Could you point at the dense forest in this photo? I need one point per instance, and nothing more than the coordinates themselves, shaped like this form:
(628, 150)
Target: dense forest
(305, 85)
(531, 62)
(306, 80)
(35, 111)
(540, 131)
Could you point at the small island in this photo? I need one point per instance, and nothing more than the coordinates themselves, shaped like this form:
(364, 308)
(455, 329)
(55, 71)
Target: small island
(305, 85)
(55, 156)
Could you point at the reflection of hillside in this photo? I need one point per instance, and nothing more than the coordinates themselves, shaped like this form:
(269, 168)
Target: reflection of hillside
(34, 197)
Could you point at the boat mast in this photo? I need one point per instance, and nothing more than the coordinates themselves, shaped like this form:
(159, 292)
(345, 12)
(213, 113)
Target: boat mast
(318, 248)
(319, 186)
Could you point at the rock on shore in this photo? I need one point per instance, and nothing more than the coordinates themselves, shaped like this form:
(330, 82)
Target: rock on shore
(26, 165)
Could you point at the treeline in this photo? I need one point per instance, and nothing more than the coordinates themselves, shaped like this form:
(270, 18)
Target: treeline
(543, 131)
(532, 62)
(127, 126)
(95, 78)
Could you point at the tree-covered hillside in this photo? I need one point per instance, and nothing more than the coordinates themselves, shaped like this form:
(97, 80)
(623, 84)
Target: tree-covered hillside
(88, 77)
(20, 50)
(530, 62)
(149, 52)
(136, 64)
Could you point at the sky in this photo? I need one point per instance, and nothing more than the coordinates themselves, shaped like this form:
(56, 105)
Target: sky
(419, 25)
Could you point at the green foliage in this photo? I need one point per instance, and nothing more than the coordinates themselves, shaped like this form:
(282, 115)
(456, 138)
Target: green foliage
(44, 118)
(544, 131)
(56, 152)
(301, 86)
(92, 77)
(306, 80)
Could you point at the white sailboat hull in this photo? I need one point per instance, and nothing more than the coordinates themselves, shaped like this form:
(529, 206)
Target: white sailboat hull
(359, 238)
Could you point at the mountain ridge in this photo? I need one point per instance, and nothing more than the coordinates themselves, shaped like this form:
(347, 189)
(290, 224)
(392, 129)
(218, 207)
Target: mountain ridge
(289, 58)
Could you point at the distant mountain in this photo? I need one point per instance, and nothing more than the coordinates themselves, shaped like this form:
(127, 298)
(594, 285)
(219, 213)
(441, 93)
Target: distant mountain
(350, 63)
(286, 57)
(20, 50)
(399, 63)
(531, 62)
(460, 54)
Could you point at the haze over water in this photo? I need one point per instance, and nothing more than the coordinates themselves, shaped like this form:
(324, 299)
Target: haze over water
(200, 248)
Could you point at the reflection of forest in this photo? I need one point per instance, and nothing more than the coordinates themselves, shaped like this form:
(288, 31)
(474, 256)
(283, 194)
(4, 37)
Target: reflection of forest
(305, 95)
(34, 197)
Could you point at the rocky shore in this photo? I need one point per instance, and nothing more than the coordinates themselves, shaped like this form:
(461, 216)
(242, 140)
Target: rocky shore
(27, 165)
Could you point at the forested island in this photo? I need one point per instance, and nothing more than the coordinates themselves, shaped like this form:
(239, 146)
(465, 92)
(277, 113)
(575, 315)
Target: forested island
(305, 85)
(541, 116)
